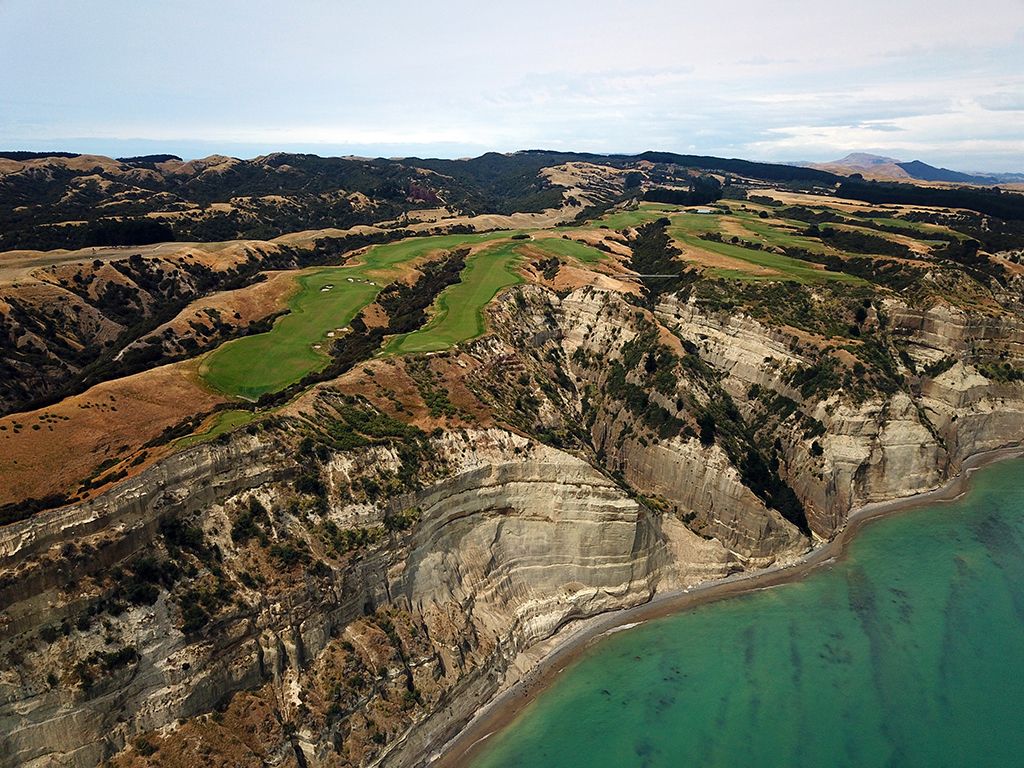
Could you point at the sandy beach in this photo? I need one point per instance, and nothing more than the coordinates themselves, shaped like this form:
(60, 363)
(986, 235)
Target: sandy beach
(580, 636)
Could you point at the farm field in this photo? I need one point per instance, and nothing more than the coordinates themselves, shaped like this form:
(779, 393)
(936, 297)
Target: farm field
(327, 301)
(459, 309)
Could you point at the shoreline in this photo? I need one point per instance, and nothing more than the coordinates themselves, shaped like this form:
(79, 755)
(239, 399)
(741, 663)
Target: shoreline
(502, 710)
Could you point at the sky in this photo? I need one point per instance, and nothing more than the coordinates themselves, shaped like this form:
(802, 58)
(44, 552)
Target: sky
(788, 80)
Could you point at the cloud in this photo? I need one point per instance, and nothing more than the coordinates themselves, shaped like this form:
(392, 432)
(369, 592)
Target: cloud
(1003, 101)
(878, 125)
(797, 80)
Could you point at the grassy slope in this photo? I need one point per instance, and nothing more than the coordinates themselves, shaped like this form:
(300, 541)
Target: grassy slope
(225, 421)
(459, 312)
(556, 246)
(267, 362)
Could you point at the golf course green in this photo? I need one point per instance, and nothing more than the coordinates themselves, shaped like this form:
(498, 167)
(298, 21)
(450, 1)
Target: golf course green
(459, 312)
(326, 302)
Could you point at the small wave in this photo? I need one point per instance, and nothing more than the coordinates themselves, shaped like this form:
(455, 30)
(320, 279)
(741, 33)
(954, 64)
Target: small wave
(622, 628)
(485, 737)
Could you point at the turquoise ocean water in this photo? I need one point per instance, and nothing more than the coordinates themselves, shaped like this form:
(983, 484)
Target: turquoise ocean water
(907, 652)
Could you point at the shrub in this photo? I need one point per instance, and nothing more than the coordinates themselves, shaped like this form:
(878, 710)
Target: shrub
(247, 525)
(288, 555)
(401, 521)
(706, 423)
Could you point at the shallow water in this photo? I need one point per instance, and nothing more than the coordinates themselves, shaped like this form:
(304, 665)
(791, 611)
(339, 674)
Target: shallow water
(907, 652)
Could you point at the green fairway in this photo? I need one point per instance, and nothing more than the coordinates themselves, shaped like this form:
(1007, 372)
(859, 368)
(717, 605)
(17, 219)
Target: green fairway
(913, 228)
(784, 237)
(788, 268)
(459, 310)
(686, 228)
(557, 246)
(695, 223)
(645, 213)
(327, 300)
(270, 361)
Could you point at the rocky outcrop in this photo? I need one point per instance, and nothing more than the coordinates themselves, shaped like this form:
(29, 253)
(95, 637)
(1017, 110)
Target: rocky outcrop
(885, 447)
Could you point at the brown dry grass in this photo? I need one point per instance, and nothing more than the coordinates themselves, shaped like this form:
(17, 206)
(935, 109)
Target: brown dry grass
(375, 317)
(801, 198)
(577, 176)
(252, 303)
(1010, 266)
(386, 383)
(309, 236)
(56, 447)
(571, 277)
(843, 204)
(194, 212)
(730, 226)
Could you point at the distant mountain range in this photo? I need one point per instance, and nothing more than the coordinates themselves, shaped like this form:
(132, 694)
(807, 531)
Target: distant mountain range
(890, 169)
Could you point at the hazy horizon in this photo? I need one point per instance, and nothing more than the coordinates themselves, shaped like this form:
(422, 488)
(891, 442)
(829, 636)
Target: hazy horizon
(189, 151)
(197, 150)
(933, 81)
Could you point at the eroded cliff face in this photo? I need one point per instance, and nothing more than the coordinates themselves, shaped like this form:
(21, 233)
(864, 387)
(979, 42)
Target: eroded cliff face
(513, 540)
(333, 587)
(887, 445)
